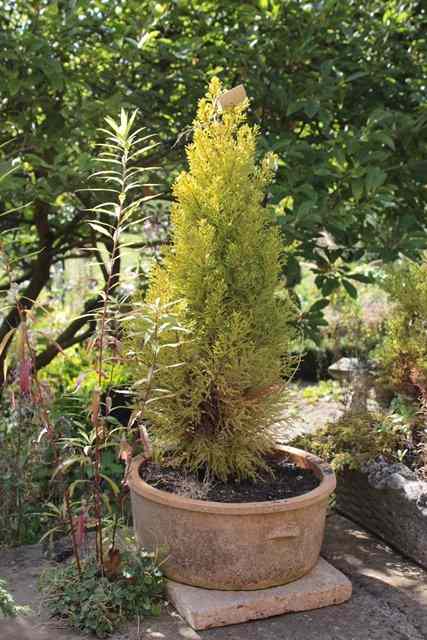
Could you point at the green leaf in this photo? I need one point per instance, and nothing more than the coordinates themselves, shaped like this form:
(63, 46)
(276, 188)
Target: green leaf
(311, 108)
(293, 107)
(351, 289)
(357, 188)
(115, 489)
(329, 285)
(340, 157)
(356, 76)
(319, 305)
(69, 462)
(361, 277)
(100, 229)
(375, 179)
(305, 209)
(75, 484)
(386, 139)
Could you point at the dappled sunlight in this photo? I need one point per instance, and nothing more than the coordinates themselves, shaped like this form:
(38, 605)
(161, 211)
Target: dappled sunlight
(348, 545)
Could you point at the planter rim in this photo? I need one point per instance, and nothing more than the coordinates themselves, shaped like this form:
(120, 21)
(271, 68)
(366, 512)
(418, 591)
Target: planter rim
(322, 469)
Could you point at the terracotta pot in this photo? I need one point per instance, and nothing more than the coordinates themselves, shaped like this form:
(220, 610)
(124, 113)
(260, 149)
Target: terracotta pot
(240, 546)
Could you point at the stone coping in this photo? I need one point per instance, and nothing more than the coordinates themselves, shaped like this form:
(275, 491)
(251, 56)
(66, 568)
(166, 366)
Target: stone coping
(390, 501)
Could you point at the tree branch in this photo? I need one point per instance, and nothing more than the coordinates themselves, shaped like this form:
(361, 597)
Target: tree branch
(71, 335)
(40, 276)
(6, 286)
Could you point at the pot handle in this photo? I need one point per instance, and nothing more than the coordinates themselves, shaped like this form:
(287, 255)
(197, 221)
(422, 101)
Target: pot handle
(286, 531)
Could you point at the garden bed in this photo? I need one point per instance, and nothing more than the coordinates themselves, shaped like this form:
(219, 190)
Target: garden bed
(390, 501)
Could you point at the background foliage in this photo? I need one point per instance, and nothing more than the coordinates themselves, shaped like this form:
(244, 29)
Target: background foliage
(337, 88)
(402, 355)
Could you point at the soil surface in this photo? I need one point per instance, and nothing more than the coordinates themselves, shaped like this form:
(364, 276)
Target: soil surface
(281, 480)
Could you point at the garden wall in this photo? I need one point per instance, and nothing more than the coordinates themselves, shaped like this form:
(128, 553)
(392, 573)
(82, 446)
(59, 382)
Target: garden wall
(388, 500)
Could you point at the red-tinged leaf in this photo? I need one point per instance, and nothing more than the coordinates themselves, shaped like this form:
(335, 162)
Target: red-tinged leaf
(25, 369)
(81, 529)
(96, 400)
(125, 452)
(91, 344)
(113, 564)
(21, 342)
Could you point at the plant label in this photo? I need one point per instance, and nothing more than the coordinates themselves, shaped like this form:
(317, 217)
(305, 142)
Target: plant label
(233, 97)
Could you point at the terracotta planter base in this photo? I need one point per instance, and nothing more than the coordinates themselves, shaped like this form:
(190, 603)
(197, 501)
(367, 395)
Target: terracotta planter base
(233, 546)
(208, 608)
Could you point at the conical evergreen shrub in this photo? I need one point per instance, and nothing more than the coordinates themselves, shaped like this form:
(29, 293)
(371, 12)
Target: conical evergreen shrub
(223, 270)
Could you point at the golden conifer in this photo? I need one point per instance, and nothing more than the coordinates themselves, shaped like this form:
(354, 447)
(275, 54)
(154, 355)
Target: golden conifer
(223, 270)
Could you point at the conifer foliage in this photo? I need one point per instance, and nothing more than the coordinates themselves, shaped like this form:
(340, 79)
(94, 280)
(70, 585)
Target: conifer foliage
(223, 272)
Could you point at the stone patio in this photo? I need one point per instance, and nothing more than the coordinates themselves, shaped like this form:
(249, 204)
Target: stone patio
(389, 600)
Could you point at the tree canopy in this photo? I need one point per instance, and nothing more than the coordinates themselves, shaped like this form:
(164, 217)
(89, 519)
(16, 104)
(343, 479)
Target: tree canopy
(337, 88)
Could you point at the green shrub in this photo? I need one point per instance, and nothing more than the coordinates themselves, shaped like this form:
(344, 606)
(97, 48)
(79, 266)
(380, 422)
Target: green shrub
(99, 604)
(323, 389)
(64, 371)
(356, 439)
(355, 326)
(223, 270)
(24, 475)
(402, 356)
(8, 606)
(72, 371)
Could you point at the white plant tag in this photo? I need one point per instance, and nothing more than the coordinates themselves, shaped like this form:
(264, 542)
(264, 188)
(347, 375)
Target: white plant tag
(233, 97)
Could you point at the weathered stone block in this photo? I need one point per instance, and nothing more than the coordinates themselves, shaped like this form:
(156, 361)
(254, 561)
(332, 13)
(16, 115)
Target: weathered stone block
(207, 608)
(388, 500)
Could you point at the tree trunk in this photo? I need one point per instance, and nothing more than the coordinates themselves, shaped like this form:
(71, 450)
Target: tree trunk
(40, 274)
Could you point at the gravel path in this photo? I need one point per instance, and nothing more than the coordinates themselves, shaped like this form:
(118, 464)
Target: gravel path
(307, 410)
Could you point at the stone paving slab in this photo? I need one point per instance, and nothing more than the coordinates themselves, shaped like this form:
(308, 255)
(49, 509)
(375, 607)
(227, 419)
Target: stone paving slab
(208, 608)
